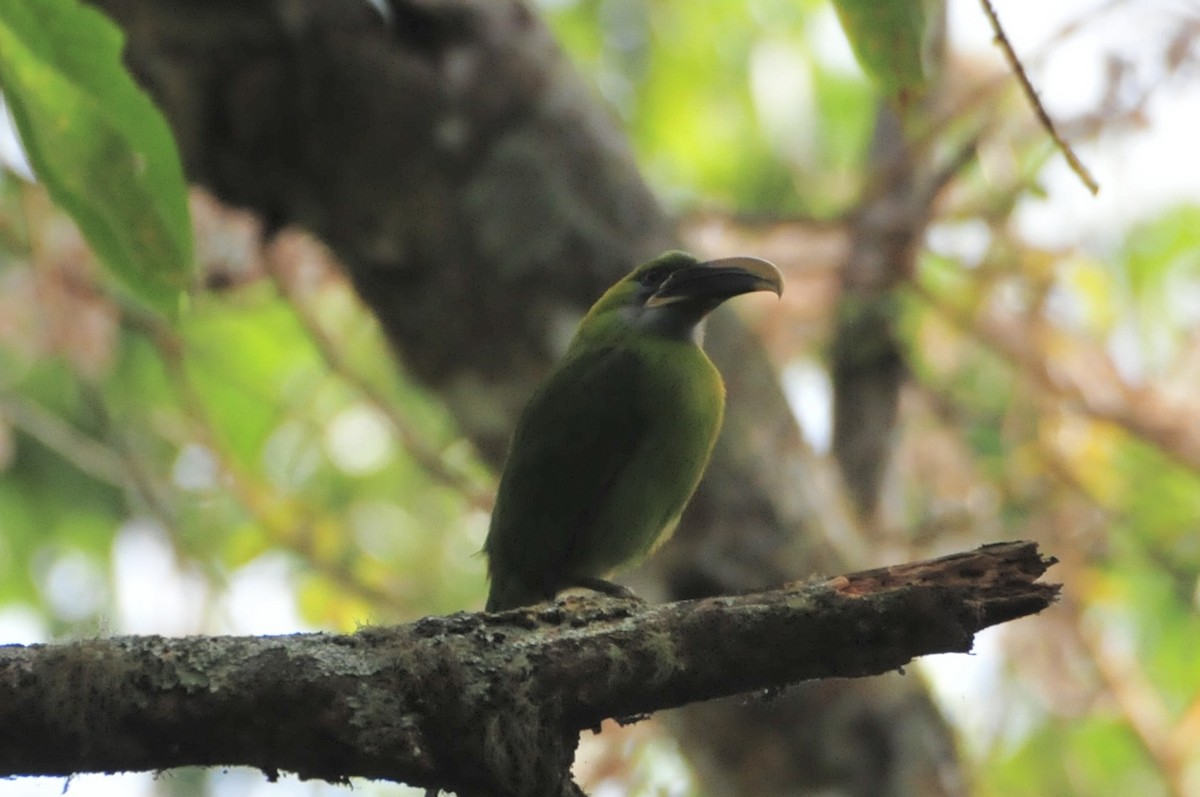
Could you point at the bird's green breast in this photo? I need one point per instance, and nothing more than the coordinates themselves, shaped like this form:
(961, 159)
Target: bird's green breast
(682, 400)
(603, 461)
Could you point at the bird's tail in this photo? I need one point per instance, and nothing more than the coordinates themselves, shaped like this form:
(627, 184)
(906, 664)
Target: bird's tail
(510, 593)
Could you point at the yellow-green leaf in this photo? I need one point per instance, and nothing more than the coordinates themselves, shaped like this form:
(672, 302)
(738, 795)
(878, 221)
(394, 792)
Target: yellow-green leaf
(888, 38)
(98, 143)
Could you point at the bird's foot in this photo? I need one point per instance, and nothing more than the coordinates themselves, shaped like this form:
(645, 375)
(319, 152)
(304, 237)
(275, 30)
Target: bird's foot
(606, 587)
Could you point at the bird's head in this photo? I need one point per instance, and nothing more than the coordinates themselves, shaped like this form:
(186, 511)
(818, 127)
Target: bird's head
(672, 293)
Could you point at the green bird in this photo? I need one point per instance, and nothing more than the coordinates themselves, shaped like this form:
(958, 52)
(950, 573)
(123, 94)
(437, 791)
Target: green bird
(612, 445)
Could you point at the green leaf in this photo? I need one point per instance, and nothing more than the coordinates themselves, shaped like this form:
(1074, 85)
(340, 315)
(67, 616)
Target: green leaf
(888, 38)
(1160, 249)
(98, 143)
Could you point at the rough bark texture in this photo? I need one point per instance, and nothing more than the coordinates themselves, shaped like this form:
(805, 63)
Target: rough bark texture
(480, 199)
(866, 360)
(481, 704)
(865, 357)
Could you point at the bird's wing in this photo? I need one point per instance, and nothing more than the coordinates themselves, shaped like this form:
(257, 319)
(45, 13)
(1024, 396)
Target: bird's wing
(578, 433)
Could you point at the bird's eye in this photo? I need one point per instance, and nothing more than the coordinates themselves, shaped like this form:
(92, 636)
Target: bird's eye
(655, 276)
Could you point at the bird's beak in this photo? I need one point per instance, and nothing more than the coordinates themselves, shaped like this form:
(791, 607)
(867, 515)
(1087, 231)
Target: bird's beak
(717, 280)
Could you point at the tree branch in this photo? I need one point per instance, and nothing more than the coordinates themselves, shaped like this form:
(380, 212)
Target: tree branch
(1035, 102)
(482, 704)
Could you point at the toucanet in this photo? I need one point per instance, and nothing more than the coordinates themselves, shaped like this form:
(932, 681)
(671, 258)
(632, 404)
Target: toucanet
(611, 446)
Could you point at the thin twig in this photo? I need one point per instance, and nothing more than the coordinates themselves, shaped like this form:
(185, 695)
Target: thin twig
(1140, 704)
(255, 497)
(1144, 413)
(424, 453)
(1031, 94)
(84, 452)
(140, 480)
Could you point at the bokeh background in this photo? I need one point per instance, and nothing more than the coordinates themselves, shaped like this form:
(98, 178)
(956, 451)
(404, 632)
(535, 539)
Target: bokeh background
(264, 465)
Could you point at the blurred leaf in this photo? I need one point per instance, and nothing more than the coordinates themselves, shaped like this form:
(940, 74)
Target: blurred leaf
(19, 531)
(726, 101)
(249, 364)
(1161, 500)
(888, 37)
(946, 278)
(1160, 263)
(327, 604)
(1092, 293)
(46, 503)
(846, 109)
(1162, 248)
(1095, 756)
(244, 543)
(1145, 597)
(103, 150)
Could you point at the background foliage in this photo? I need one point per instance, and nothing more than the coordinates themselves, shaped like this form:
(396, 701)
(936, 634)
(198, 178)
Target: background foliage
(260, 465)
